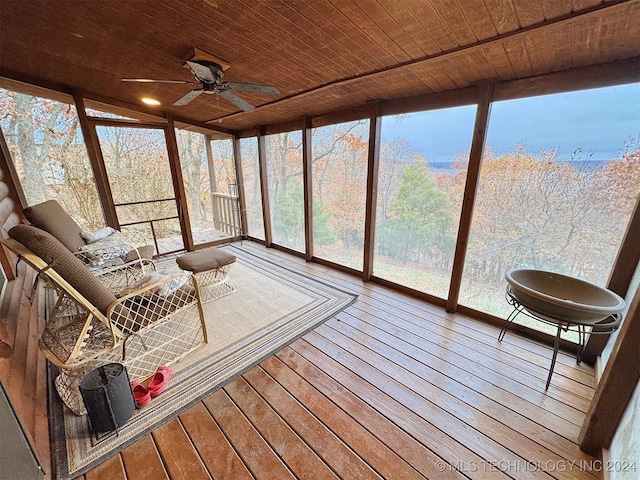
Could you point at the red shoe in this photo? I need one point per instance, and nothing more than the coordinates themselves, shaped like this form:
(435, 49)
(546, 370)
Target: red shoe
(159, 381)
(141, 394)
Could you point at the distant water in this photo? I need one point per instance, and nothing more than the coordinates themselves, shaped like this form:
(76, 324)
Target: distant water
(447, 167)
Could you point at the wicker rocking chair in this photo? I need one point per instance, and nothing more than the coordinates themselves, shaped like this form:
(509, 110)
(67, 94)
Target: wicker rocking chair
(89, 326)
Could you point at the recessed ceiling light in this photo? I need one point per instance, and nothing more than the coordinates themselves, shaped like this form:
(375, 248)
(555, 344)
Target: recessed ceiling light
(150, 101)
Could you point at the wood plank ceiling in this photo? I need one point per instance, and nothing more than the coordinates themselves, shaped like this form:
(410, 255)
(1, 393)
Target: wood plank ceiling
(323, 55)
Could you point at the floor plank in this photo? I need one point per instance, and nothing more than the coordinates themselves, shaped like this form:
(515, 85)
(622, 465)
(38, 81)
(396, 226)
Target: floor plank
(142, 461)
(23, 372)
(456, 382)
(324, 442)
(255, 452)
(421, 458)
(521, 435)
(216, 452)
(113, 469)
(178, 454)
(294, 451)
(381, 458)
(480, 368)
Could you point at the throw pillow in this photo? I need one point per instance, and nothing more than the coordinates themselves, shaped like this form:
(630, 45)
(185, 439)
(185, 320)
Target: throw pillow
(91, 237)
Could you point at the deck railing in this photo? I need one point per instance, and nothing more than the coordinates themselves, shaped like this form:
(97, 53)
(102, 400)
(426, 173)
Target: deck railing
(226, 213)
(151, 222)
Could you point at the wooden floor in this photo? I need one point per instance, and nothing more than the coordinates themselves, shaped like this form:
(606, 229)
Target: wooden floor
(22, 366)
(391, 387)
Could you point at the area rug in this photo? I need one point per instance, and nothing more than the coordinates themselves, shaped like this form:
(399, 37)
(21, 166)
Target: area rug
(272, 306)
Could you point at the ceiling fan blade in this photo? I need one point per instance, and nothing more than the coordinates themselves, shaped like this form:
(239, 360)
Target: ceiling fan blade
(236, 100)
(188, 97)
(251, 87)
(202, 72)
(150, 80)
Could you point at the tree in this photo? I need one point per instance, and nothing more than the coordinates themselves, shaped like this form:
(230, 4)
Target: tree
(284, 168)
(346, 199)
(420, 219)
(284, 159)
(394, 158)
(140, 178)
(339, 180)
(621, 177)
(49, 155)
(224, 167)
(288, 214)
(533, 211)
(251, 186)
(326, 144)
(193, 161)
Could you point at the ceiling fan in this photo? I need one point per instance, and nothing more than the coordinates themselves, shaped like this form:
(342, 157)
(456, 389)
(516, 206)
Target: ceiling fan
(209, 75)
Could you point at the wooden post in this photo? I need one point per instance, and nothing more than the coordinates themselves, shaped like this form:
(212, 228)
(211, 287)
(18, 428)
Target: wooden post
(178, 184)
(473, 173)
(373, 164)
(213, 187)
(307, 178)
(620, 278)
(237, 155)
(264, 188)
(97, 164)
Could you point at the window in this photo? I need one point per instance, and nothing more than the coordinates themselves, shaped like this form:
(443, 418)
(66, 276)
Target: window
(49, 155)
(251, 186)
(224, 167)
(559, 179)
(195, 177)
(141, 184)
(284, 167)
(206, 206)
(423, 165)
(226, 206)
(339, 191)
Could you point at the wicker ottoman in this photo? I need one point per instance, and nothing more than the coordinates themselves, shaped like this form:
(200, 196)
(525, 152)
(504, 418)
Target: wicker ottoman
(210, 270)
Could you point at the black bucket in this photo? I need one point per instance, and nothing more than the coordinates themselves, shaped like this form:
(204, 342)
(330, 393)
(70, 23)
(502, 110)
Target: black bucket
(107, 395)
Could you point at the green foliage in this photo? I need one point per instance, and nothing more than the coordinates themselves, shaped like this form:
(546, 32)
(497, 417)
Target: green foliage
(421, 219)
(288, 215)
(322, 233)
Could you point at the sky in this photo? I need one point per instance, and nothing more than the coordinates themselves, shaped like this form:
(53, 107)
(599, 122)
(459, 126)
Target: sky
(598, 120)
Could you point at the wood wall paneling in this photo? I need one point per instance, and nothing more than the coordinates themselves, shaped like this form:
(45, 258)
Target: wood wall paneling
(11, 204)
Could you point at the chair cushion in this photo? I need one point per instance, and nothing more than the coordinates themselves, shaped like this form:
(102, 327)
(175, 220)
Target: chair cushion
(204, 260)
(65, 263)
(51, 217)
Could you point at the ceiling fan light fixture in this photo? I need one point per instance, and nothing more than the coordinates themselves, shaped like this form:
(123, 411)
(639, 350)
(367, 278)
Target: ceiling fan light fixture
(150, 101)
(208, 74)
